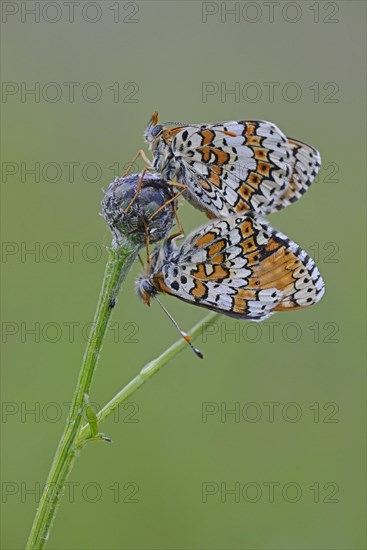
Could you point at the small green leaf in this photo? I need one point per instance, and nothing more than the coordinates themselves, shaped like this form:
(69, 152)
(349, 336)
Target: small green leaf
(91, 416)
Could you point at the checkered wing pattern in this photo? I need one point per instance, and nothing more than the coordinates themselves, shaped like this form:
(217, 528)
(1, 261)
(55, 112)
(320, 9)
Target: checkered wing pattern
(236, 167)
(240, 267)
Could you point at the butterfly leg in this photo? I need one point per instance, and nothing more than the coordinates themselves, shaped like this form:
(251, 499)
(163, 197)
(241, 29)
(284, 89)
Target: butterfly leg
(179, 224)
(147, 243)
(180, 228)
(141, 154)
(176, 235)
(178, 221)
(140, 182)
(177, 184)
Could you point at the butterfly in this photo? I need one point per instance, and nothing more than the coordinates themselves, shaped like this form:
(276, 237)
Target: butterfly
(232, 167)
(238, 266)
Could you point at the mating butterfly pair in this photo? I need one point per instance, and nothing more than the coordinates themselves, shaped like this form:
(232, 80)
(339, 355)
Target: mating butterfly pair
(234, 171)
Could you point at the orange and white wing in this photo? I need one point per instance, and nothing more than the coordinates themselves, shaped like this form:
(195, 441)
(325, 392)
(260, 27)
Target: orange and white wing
(241, 267)
(238, 167)
(234, 167)
(306, 163)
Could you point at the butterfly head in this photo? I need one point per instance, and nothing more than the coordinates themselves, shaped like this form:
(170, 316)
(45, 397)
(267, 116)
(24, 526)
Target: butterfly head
(153, 130)
(145, 290)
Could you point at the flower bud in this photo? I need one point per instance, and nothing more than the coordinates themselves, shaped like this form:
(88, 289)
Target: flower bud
(134, 224)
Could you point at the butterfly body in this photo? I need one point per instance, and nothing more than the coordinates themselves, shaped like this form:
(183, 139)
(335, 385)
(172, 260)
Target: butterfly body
(238, 266)
(233, 167)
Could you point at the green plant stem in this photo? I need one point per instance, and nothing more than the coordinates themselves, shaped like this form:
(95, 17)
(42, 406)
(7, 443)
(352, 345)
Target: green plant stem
(75, 436)
(119, 263)
(145, 374)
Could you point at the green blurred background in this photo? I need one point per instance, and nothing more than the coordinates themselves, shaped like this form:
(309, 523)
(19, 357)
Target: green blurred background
(165, 481)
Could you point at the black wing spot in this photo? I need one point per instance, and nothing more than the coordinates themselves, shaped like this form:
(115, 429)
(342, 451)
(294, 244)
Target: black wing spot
(175, 285)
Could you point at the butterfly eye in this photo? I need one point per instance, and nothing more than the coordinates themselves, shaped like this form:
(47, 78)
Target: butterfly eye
(148, 287)
(157, 130)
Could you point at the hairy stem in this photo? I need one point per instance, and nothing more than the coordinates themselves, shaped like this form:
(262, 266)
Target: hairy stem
(119, 263)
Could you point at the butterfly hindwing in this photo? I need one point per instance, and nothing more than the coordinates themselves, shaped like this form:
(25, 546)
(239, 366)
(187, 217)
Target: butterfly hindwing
(306, 165)
(241, 267)
(236, 166)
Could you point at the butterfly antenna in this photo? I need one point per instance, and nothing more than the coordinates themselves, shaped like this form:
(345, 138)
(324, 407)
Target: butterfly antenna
(185, 336)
